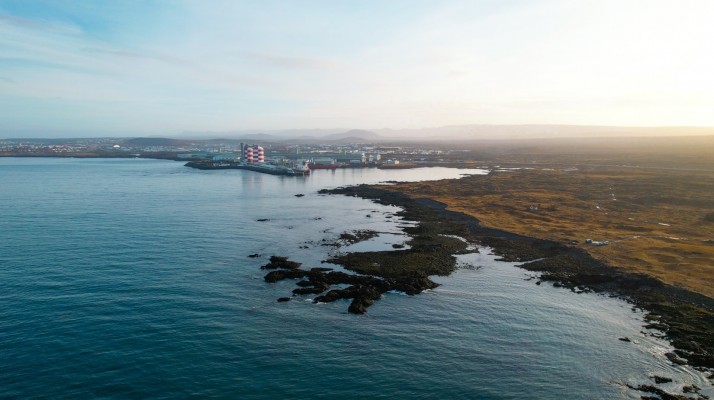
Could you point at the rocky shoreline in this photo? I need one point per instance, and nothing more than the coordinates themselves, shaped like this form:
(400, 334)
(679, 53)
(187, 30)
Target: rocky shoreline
(685, 318)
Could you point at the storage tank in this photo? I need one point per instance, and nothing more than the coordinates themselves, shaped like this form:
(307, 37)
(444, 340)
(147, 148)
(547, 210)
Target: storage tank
(248, 154)
(253, 154)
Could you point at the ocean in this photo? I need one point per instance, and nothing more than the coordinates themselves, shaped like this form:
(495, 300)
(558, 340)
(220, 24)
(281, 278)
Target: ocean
(130, 279)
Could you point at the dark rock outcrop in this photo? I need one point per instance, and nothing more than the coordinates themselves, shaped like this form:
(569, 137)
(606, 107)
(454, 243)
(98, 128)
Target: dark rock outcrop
(279, 275)
(281, 262)
(661, 379)
(364, 290)
(663, 395)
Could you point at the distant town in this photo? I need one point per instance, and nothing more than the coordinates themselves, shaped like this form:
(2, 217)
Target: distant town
(342, 154)
(359, 149)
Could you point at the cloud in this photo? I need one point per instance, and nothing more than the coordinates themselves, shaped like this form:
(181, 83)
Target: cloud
(38, 25)
(288, 62)
(136, 55)
(227, 65)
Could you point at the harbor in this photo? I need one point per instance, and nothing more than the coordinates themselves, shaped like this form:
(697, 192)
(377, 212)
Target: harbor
(252, 158)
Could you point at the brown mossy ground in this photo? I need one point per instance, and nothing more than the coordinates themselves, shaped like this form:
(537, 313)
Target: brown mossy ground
(657, 221)
(428, 255)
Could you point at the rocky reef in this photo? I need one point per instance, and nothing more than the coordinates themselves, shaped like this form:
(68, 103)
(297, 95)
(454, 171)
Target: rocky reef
(431, 251)
(364, 290)
(280, 262)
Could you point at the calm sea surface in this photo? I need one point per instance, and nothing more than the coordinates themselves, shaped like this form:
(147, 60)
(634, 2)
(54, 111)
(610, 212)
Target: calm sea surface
(130, 279)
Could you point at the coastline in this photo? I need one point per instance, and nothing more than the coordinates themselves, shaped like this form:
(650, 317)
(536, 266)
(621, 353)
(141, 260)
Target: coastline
(686, 318)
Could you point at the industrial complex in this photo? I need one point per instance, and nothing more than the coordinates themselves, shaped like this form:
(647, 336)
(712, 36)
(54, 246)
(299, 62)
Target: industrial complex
(253, 157)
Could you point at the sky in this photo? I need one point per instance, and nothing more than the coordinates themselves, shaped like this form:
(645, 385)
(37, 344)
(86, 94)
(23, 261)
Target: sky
(156, 67)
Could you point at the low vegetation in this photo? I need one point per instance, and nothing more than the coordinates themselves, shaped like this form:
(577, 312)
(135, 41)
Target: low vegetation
(655, 221)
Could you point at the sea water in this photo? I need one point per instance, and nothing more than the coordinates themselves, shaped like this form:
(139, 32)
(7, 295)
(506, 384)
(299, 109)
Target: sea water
(129, 278)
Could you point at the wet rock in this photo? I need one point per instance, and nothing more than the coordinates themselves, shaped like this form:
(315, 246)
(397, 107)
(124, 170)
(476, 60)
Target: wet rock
(357, 236)
(281, 262)
(675, 359)
(657, 325)
(661, 379)
(659, 392)
(310, 290)
(333, 295)
(357, 307)
(397, 246)
(693, 389)
(279, 275)
(362, 297)
(413, 285)
(366, 296)
(283, 299)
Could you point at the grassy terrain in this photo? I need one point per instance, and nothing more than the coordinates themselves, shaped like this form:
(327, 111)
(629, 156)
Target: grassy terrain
(658, 221)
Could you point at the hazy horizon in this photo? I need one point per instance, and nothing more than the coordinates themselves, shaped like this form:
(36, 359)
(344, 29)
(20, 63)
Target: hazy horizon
(89, 69)
(444, 133)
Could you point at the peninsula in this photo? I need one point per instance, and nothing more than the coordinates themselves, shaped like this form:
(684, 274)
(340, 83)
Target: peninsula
(642, 231)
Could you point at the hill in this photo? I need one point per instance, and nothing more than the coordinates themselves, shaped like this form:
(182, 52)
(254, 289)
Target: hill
(167, 142)
(354, 136)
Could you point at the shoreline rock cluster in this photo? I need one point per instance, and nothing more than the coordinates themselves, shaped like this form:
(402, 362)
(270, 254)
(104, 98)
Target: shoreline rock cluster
(431, 252)
(364, 290)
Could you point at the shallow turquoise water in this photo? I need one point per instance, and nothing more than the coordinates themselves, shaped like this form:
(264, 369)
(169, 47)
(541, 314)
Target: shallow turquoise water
(130, 279)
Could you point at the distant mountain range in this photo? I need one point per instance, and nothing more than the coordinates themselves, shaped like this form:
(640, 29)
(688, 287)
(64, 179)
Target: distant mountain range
(295, 136)
(159, 142)
(454, 132)
(443, 133)
(358, 134)
(488, 132)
